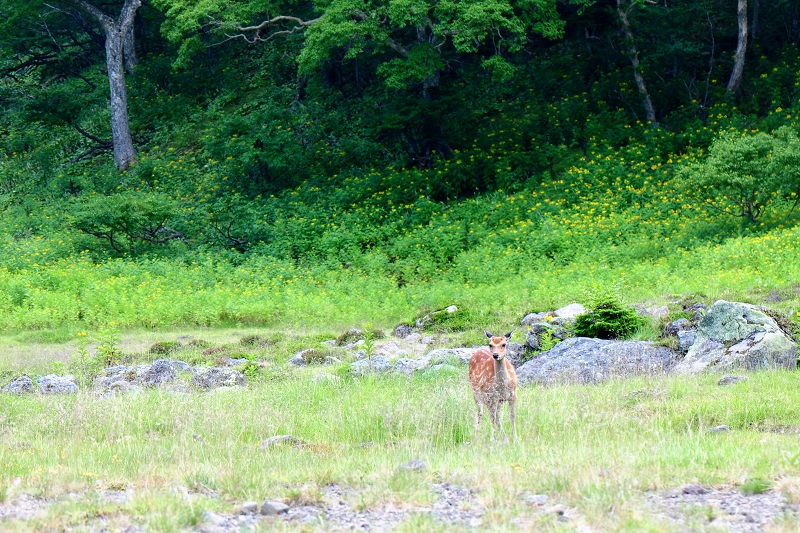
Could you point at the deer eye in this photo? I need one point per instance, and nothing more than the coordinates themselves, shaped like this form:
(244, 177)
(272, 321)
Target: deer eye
(504, 345)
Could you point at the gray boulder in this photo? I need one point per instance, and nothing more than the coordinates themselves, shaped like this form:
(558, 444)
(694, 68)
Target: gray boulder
(160, 372)
(570, 311)
(584, 360)
(21, 385)
(533, 318)
(53, 384)
(451, 355)
(402, 331)
(738, 335)
(686, 339)
(212, 378)
(378, 364)
(408, 366)
(515, 353)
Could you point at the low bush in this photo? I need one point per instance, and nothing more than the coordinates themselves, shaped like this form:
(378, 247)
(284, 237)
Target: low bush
(608, 318)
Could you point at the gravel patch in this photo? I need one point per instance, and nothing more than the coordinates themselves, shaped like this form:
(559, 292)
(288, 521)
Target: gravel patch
(726, 509)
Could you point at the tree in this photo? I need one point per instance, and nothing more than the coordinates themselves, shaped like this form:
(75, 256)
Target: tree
(633, 54)
(741, 48)
(117, 34)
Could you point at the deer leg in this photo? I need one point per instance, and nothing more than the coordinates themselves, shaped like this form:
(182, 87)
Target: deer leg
(480, 415)
(499, 423)
(512, 408)
(495, 415)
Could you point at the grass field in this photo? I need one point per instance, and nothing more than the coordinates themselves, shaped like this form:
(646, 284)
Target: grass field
(597, 450)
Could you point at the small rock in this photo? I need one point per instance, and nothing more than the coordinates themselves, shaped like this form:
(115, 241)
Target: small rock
(535, 499)
(330, 343)
(686, 339)
(325, 377)
(402, 331)
(413, 337)
(730, 380)
(558, 509)
(658, 313)
(53, 384)
(210, 378)
(235, 362)
(159, 372)
(570, 311)
(361, 354)
(297, 360)
(331, 360)
(408, 366)
(21, 385)
(213, 519)
(279, 440)
(533, 318)
(181, 366)
(675, 326)
(451, 309)
(248, 508)
(720, 429)
(272, 508)
(694, 488)
(414, 465)
(426, 340)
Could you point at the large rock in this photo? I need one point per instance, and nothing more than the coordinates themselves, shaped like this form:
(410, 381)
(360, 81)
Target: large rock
(159, 372)
(53, 384)
(737, 335)
(212, 378)
(584, 360)
(21, 385)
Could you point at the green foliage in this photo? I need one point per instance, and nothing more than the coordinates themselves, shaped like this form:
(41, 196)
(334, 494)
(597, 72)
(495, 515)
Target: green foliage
(108, 352)
(607, 318)
(746, 172)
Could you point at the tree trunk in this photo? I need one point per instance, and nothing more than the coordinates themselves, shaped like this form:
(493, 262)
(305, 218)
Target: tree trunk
(633, 54)
(129, 48)
(116, 33)
(741, 48)
(754, 25)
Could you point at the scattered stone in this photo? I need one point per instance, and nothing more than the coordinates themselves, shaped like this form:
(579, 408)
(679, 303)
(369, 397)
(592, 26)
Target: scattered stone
(349, 337)
(403, 330)
(694, 488)
(307, 357)
(672, 329)
(408, 366)
(248, 508)
(534, 318)
(160, 372)
(53, 384)
(656, 313)
(181, 366)
(730, 380)
(331, 343)
(738, 335)
(414, 465)
(413, 337)
(535, 499)
(451, 309)
(325, 377)
(331, 360)
(686, 339)
(354, 344)
(451, 355)
(279, 440)
(122, 386)
(273, 508)
(21, 385)
(361, 354)
(426, 340)
(720, 429)
(211, 378)
(570, 311)
(584, 360)
(377, 364)
(198, 437)
(235, 362)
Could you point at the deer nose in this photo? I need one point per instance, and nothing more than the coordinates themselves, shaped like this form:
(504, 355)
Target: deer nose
(496, 356)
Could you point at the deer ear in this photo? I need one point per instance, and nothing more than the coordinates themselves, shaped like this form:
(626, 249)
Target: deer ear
(510, 333)
(488, 334)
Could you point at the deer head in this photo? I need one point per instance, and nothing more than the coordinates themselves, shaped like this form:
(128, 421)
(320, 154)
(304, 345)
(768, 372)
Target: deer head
(498, 345)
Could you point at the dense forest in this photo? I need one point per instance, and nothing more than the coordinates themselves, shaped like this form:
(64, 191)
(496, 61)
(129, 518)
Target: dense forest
(230, 149)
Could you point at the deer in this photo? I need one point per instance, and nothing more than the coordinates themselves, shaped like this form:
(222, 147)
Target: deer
(494, 381)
